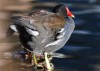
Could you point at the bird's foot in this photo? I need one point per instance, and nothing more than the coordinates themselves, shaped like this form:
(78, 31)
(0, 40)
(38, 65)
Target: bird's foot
(43, 67)
(38, 67)
(48, 58)
(51, 68)
(42, 62)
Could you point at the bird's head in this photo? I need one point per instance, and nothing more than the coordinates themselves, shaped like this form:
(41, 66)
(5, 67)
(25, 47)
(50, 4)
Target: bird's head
(63, 10)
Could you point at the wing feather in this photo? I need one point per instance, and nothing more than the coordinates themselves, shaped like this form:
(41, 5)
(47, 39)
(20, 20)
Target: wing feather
(61, 41)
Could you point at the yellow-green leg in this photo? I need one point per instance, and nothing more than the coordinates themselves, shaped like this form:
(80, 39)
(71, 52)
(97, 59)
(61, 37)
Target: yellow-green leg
(35, 60)
(47, 61)
(36, 65)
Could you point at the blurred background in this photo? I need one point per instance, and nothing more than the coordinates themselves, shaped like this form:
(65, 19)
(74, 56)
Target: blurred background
(84, 43)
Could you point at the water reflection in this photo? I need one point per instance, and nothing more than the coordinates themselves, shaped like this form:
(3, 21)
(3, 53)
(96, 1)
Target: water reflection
(84, 44)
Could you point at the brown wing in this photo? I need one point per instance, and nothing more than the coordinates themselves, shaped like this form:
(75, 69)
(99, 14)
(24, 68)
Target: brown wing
(54, 20)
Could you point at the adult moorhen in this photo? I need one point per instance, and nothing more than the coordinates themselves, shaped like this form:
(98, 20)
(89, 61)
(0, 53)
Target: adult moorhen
(44, 32)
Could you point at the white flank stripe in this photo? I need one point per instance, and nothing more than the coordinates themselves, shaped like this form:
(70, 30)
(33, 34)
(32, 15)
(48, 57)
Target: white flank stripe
(61, 30)
(32, 32)
(61, 35)
(53, 43)
(13, 27)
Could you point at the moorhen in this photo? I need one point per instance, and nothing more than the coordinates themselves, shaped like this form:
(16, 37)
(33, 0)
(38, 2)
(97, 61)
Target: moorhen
(43, 32)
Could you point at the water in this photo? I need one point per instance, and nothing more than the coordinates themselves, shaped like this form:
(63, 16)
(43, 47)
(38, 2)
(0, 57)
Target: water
(84, 43)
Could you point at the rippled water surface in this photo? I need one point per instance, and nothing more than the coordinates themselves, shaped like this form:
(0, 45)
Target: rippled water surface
(84, 43)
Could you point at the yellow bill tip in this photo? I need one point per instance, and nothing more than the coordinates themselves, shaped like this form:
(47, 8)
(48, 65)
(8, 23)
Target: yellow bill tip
(72, 16)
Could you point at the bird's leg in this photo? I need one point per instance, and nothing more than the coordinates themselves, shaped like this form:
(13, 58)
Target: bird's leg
(47, 61)
(37, 64)
(35, 61)
(50, 58)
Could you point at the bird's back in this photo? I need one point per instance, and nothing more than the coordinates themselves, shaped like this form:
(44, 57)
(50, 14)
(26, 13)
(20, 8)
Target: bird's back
(45, 23)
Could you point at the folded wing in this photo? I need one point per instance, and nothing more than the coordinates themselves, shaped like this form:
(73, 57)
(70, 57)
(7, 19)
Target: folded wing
(63, 37)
